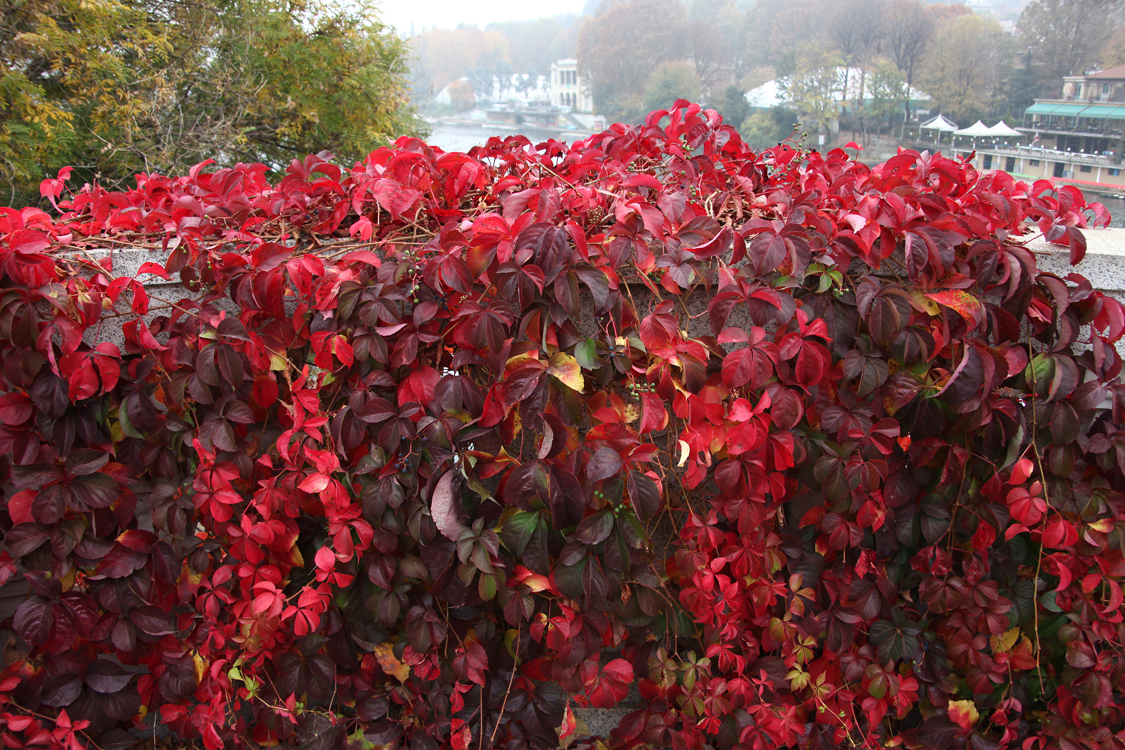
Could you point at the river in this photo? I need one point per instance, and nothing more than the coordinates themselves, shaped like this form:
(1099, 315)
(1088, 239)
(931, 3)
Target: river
(1115, 205)
(463, 136)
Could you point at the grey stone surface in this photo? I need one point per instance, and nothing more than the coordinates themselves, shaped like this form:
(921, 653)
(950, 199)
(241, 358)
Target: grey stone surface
(163, 293)
(601, 721)
(1104, 264)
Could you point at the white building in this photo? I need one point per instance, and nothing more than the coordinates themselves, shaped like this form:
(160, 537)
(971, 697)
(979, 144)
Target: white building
(567, 89)
(772, 93)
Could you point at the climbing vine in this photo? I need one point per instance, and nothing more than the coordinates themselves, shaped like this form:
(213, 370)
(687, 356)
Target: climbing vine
(435, 451)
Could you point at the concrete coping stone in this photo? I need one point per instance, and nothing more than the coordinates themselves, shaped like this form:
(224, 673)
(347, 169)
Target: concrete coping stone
(1104, 264)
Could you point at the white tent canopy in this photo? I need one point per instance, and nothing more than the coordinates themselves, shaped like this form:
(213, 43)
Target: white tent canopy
(1002, 130)
(940, 124)
(977, 130)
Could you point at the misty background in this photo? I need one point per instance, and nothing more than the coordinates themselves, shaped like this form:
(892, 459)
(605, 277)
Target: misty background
(863, 67)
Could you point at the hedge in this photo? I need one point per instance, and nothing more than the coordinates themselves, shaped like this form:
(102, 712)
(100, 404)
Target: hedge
(394, 466)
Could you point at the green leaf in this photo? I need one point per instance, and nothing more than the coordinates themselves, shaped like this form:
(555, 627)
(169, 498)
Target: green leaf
(517, 530)
(126, 423)
(569, 579)
(586, 353)
(486, 586)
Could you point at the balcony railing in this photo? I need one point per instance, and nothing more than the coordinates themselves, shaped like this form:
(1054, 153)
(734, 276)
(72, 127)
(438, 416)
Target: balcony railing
(1050, 154)
(1062, 126)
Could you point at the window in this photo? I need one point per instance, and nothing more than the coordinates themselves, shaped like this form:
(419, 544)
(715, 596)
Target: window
(1086, 168)
(1010, 164)
(988, 161)
(1115, 173)
(1034, 162)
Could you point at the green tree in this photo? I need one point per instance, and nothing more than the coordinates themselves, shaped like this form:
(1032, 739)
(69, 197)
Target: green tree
(48, 50)
(765, 129)
(812, 86)
(732, 106)
(966, 69)
(669, 82)
(1022, 89)
(159, 85)
(888, 91)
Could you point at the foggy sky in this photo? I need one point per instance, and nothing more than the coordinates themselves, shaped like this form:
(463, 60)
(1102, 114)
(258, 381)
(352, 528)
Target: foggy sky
(449, 13)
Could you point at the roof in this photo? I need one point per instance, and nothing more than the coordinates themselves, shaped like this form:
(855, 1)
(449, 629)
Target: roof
(939, 123)
(1115, 73)
(1055, 108)
(765, 96)
(977, 130)
(1002, 129)
(1097, 111)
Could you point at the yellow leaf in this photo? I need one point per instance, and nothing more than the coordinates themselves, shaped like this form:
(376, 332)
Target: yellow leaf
(632, 413)
(200, 667)
(521, 359)
(1003, 643)
(964, 713)
(566, 369)
(537, 582)
(798, 679)
(685, 451)
(1104, 525)
(384, 654)
(924, 303)
(67, 581)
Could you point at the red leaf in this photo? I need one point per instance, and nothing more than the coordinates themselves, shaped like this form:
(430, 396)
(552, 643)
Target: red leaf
(965, 304)
(461, 736)
(1021, 470)
(1059, 533)
(28, 241)
(15, 408)
(653, 416)
(613, 684)
(445, 508)
(265, 391)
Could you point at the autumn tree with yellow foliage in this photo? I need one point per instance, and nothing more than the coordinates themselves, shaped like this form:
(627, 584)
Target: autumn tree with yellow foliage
(118, 87)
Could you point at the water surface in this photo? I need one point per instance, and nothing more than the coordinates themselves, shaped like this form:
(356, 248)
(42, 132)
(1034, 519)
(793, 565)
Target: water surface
(462, 137)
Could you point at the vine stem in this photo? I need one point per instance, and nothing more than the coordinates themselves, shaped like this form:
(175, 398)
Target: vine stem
(1039, 558)
(504, 704)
